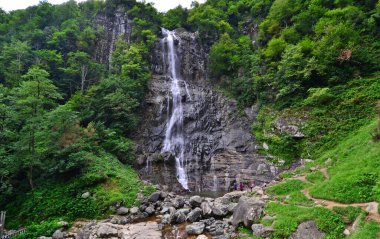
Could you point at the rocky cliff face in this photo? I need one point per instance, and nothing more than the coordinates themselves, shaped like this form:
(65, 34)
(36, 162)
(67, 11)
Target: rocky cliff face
(115, 26)
(218, 145)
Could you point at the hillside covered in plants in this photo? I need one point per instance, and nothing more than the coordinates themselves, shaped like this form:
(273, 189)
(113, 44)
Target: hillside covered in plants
(75, 89)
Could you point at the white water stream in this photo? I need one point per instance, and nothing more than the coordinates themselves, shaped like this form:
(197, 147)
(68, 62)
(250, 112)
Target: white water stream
(174, 138)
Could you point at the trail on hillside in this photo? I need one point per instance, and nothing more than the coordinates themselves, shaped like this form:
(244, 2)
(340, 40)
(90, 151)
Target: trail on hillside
(370, 207)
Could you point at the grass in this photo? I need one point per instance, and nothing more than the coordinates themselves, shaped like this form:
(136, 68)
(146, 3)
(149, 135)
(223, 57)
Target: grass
(369, 230)
(355, 173)
(288, 217)
(316, 177)
(349, 214)
(287, 187)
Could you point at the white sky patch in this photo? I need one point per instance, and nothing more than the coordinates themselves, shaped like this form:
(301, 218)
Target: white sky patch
(9, 5)
(161, 5)
(165, 5)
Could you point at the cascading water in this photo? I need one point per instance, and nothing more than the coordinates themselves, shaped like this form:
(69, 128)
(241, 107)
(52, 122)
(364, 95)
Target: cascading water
(174, 138)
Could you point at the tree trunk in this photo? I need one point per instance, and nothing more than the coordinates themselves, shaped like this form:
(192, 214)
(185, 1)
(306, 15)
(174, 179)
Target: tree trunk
(84, 70)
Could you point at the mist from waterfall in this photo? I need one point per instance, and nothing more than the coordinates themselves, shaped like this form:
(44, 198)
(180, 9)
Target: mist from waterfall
(174, 138)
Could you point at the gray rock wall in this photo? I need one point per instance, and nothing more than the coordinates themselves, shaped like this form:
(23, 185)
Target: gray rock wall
(219, 145)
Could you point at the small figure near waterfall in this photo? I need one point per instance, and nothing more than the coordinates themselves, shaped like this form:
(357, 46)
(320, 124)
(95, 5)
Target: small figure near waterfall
(235, 186)
(241, 186)
(251, 184)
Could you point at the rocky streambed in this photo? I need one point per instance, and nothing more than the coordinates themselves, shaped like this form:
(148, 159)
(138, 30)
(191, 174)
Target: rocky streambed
(167, 215)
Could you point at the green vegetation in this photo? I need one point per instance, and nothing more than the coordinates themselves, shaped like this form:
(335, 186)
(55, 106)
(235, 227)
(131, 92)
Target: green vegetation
(354, 176)
(349, 214)
(316, 177)
(287, 187)
(66, 116)
(288, 217)
(368, 230)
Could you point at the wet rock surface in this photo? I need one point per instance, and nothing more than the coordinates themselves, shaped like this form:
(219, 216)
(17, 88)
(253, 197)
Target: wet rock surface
(219, 147)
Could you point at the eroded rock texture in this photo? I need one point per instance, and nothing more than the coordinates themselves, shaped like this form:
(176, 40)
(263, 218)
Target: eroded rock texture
(219, 145)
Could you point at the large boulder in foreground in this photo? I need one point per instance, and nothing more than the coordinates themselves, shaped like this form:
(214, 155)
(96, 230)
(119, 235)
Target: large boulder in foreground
(247, 211)
(307, 230)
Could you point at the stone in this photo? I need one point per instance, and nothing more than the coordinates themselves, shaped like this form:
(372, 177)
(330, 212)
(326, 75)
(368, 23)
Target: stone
(195, 228)
(122, 211)
(202, 237)
(134, 210)
(307, 230)
(149, 210)
(219, 209)
(260, 230)
(206, 208)
(346, 232)
(194, 215)
(164, 210)
(45, 237)
(267, 218)
(63, 223)
(86, 195)
(166, 219)
(154, 197)
(231, 207)
(195, 201)
(143, 230)
(107, 230)
(163, 195)
(180, 216)
(58, 234)
(247, 211)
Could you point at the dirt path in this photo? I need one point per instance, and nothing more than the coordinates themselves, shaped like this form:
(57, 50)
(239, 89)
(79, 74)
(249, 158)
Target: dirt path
(370, 207)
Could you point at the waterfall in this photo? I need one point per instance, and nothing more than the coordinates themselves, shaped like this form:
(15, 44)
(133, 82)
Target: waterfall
(174, 138)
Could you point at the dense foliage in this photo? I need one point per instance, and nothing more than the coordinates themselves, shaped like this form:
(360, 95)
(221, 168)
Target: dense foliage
(66, 116)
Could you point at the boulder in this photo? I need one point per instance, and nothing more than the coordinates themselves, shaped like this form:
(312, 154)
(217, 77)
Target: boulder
(247, 211)
(154, 197)
(134, 210)
(107, 230)
(166, 219)
(180, 216)
(260, 230)
(206, 209)
(149, 210)
(307, 230)
(122, 211)
(194, 215)
(219, 209)
(58, 234)
(195, 229)
(195, 201)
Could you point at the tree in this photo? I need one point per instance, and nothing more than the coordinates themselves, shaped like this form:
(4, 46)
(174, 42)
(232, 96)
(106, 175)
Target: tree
(80, 66)
(14, 58)
(33, 98)
(175, 18)
(223, 56)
